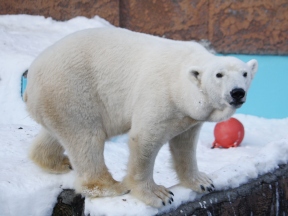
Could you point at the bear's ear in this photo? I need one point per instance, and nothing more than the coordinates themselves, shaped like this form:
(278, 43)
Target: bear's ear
(195, 75)
(253, 65)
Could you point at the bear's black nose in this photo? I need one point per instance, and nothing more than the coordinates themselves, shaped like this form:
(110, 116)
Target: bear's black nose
(237, 93)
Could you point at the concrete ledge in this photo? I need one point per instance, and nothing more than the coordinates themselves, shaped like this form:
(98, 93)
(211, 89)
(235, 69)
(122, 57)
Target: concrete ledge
(266, 195)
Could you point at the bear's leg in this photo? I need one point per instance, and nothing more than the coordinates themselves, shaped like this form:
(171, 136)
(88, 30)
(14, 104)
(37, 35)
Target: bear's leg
(47, 153)
(183, 149)
(85, 149)
(139, 178)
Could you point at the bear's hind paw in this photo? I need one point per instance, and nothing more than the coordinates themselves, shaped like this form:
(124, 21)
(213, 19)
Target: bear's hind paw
(63, 167)
(97, 189)
(56, 166)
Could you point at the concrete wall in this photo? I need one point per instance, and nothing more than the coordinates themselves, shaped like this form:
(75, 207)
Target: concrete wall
(232, 26)
(63, 9)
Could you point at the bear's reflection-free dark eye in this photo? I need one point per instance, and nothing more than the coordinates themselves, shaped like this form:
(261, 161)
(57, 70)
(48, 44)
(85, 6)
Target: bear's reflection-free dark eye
(195, 73)
(245, 74)
(219, 75)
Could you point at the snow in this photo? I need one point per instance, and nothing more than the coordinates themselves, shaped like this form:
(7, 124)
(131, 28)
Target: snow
(26, 189)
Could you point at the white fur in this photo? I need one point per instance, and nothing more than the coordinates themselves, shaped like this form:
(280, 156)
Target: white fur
(98, 83)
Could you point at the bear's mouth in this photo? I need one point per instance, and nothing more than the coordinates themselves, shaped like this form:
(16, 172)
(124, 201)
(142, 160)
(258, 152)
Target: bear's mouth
(237, 103)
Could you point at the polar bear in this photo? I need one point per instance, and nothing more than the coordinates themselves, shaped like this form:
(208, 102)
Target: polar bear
(98, 83)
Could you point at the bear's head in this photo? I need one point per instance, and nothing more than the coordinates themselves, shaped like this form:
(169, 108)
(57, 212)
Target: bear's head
(224, 82)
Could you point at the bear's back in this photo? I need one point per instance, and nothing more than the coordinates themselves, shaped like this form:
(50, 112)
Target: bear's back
(106, 69)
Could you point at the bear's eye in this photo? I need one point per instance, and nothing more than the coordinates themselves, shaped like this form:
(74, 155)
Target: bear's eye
(245, 74)
(195, 73)
(219, 75)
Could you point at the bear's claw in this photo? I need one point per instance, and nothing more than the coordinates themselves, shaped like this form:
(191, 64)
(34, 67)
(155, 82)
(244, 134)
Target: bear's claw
(202, 187)
(209, 189)
(170, 200)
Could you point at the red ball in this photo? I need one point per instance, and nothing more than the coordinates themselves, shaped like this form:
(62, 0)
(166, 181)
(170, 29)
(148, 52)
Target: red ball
(228, 133)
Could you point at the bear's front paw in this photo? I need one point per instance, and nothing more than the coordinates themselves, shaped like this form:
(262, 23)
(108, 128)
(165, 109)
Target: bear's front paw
(200, 183)
(152, 194)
